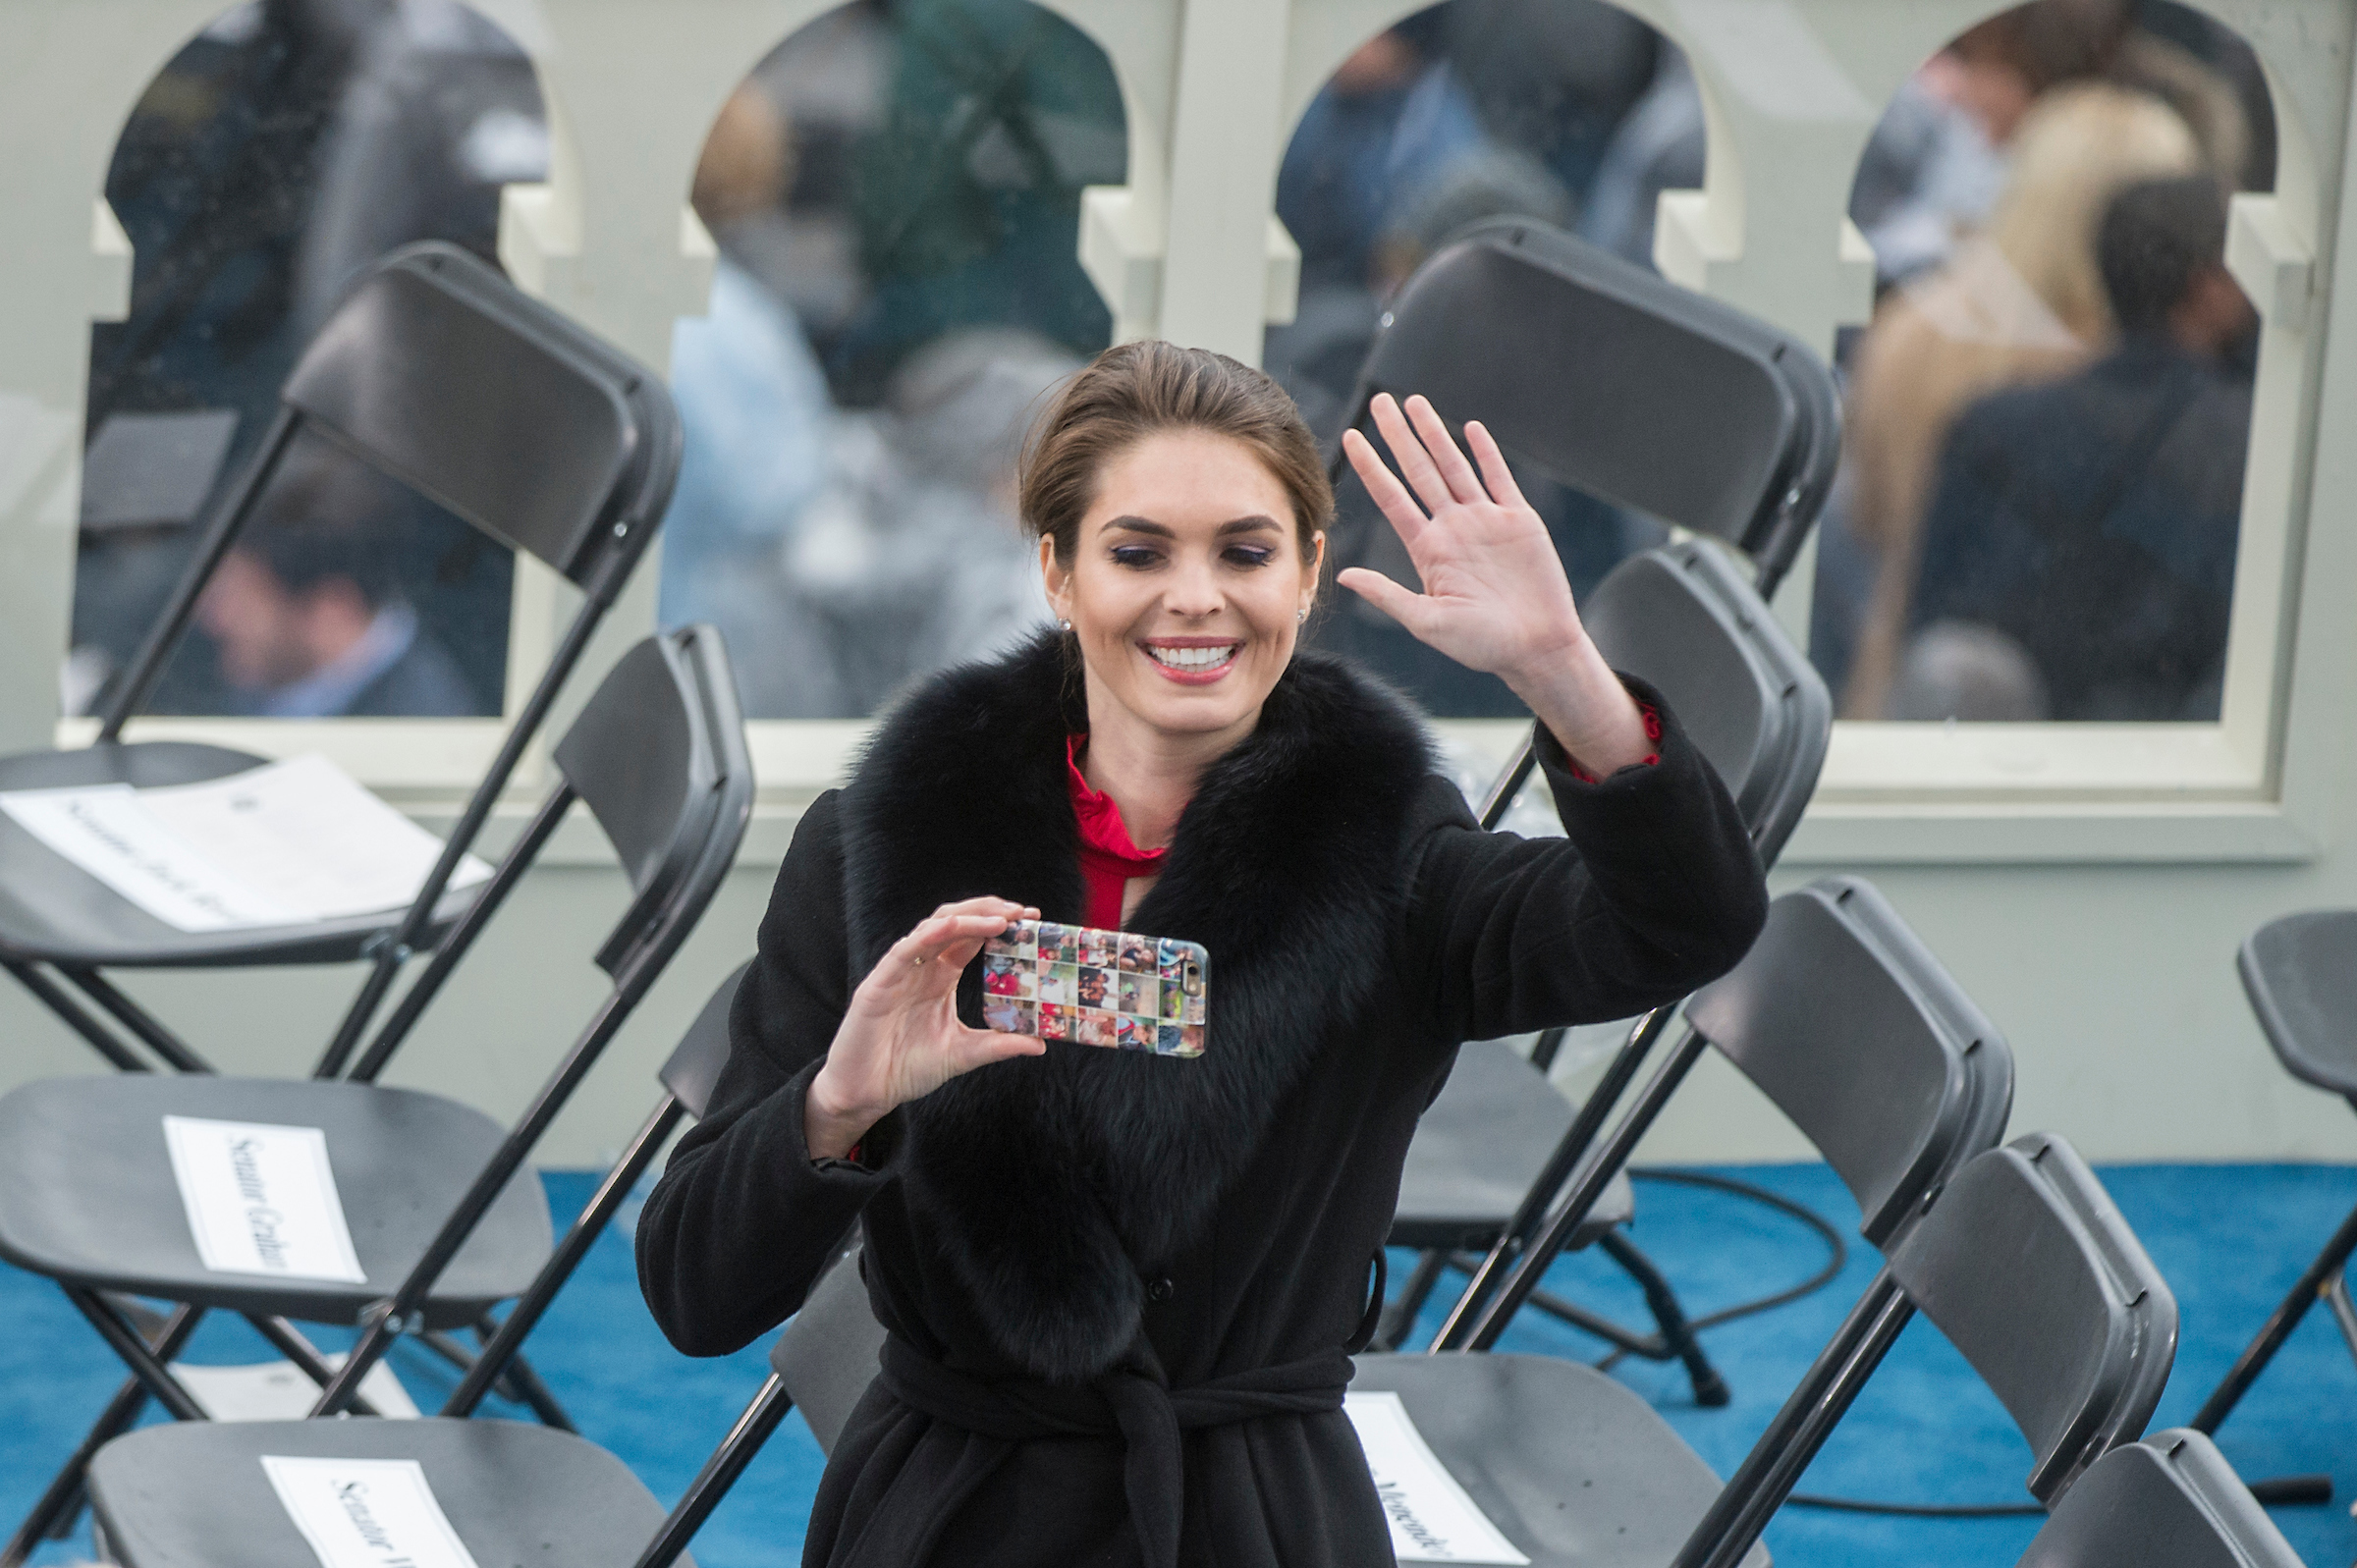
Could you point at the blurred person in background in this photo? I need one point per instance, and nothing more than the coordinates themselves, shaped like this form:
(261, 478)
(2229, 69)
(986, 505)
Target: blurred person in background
(282, 149)
(2090, 522)
(2021, 303)
(307, 609)
(759, 428)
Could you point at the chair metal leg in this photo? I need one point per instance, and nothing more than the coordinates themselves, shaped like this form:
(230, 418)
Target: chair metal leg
(719, 1472)
(71, 1013)
(169, 1391)
(61, 1502)
(130, 1015)
(1400, 1316)
(2254, 1359)
(1677, 1335)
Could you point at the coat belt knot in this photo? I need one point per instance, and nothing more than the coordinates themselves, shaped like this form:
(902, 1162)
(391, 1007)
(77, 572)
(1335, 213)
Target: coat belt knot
(1134, 1402)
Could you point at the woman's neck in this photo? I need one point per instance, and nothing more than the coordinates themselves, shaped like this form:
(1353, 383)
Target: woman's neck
(1151, 774)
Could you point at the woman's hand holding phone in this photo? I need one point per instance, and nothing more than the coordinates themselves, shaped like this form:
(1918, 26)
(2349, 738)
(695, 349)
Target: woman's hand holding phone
(900, 1039)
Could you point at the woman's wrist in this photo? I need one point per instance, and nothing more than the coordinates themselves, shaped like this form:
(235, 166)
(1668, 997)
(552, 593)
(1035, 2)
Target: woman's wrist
(832, 1125)
(1585, 707)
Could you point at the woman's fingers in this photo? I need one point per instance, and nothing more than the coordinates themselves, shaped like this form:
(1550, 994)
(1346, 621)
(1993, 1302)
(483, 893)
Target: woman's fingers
(1455, 472)
(1412, 611)
(1384, 488)
(1408, 450)
(1493, 471)
(979, 1048)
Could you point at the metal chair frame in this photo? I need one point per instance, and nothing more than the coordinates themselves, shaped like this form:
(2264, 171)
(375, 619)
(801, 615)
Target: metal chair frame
(672, 894)
(371, 383)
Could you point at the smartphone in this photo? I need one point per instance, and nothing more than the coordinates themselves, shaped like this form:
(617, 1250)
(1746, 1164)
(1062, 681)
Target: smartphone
(1096, 988)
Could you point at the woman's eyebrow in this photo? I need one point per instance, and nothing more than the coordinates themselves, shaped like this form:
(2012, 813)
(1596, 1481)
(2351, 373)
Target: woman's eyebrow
(1128, 524)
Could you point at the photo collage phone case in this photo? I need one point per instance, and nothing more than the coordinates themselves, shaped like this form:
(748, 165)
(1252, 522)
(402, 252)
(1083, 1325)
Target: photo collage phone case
(1097, 987)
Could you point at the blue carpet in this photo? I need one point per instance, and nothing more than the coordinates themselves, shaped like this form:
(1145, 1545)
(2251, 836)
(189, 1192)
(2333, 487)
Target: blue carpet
(2230, 1238)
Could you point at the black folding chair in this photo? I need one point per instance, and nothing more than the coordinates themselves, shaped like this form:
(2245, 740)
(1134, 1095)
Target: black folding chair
(195, 1494)
(2300, 973)
(1491, 1154)
(1613, 381)
(444, 1220)
(1853, 1030)
(439, 374)
(2019, 1258)
(2169, 1501)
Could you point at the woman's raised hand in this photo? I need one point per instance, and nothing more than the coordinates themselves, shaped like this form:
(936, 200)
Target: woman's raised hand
(900, 1039)
(1495, 595)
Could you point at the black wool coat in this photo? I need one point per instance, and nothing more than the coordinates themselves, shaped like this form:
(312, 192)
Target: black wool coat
(1120, 1286)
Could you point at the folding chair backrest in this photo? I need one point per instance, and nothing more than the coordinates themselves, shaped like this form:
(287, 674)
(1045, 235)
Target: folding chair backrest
(2028, 1268)
(827, 1354)
(2300, 972)
(2169, 1501)
(1682, 617)
(1846, 1021)
(437, 371)
(656, 753)
(1618, 383)
(694, 1068)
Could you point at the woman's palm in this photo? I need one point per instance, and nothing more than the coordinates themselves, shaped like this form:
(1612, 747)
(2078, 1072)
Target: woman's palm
(1495, 596)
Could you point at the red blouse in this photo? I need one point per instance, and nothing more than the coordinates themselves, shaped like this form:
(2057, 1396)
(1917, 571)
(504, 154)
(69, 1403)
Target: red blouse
(1107, 857)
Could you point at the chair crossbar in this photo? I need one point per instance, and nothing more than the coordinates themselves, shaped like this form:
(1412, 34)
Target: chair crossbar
(141, 1023)
(49, 993)
(135, 1352)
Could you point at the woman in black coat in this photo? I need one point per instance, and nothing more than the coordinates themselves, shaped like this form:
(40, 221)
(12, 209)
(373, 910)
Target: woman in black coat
(1120, 1287)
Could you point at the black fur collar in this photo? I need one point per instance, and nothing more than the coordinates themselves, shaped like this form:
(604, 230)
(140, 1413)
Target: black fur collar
(1061, 1176)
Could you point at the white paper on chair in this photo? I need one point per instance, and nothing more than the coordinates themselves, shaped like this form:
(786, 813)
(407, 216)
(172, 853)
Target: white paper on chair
(366, 1513)
(261, 1199)
(281, 845)
(1432, 1519)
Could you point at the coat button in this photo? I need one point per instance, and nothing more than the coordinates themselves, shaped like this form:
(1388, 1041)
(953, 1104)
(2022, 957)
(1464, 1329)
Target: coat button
(1159, 1288)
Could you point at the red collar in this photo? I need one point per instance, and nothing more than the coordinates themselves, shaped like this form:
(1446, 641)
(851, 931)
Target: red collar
(1102, 830)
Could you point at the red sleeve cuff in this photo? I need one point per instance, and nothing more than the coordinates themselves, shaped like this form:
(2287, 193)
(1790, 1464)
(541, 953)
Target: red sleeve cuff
(1653, 732)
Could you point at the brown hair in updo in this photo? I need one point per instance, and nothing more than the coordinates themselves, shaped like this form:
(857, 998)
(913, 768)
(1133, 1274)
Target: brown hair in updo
(1133, 390)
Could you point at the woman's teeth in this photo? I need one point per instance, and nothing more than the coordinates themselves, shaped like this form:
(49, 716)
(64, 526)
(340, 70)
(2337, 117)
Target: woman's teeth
(1193, 657)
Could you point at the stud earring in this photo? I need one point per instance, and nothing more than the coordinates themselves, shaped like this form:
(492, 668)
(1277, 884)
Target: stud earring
(1301, 618)
(1066, 624)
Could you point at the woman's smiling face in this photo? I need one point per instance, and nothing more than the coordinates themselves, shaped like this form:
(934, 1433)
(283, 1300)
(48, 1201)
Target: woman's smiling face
(1188, 584)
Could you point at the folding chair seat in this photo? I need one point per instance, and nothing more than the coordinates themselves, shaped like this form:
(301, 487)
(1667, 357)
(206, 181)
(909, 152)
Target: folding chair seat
(2020, 1260)
(2300, 974)
(196, 1495)
(444, 1216)
(1493, 1148)
(2169, 1501)
(438, 373)
(175, 1496)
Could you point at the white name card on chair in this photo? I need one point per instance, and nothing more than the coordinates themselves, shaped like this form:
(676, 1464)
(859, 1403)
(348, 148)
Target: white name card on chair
(261, 1199)
(366, 1513)
(1432, 1519)
(286, 843)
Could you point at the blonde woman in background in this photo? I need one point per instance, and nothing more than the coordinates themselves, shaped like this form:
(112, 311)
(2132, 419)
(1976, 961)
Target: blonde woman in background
(2023, 301)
